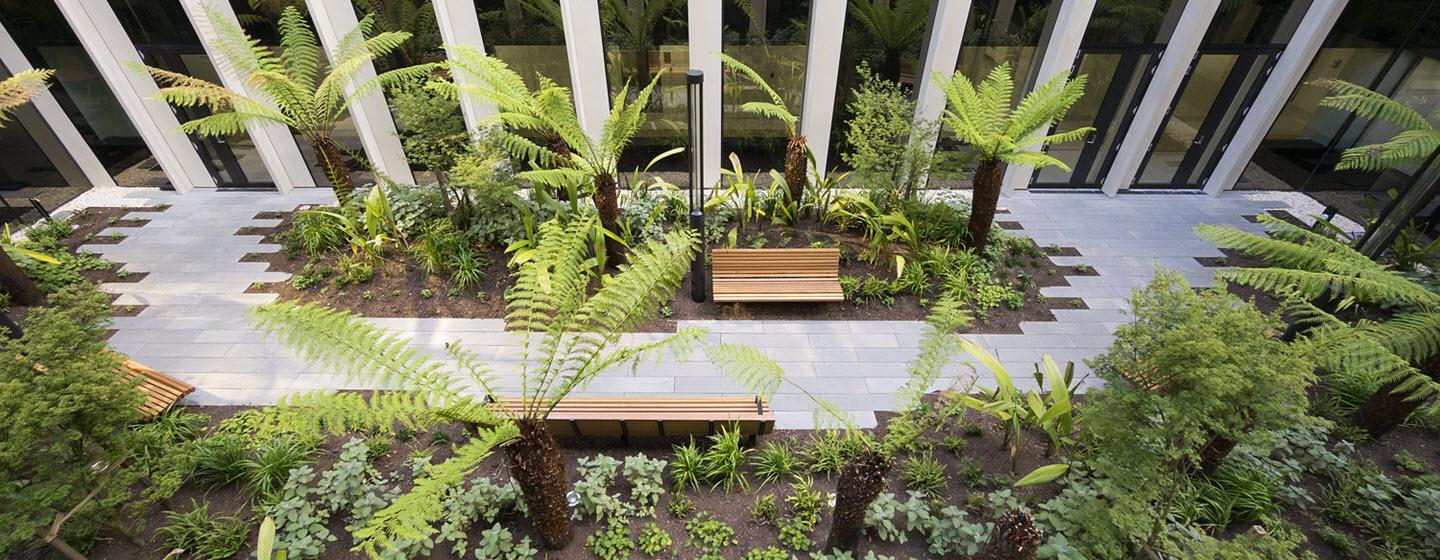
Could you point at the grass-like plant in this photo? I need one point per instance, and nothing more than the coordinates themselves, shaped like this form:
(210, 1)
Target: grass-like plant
(203, 536)
(267, 471)
(294, 85)
(569, 332)
(775, 462)
(220, 460)
(723, 461)
(981, 116)
(925, 475)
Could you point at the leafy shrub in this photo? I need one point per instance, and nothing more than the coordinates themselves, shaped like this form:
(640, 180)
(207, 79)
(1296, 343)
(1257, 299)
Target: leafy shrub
(496, 543)
(314, 233)
(353, 271)
(952, 534)
(829, 451)
(767, 553)
(611, 542)
(766, 510)
(880, 518)
(680, 506)
(467, 268)
(804, 504)
(597, 473)
(312, 275)
(653, 540)
(647, 483)
(708, 534)
(300, 525)
(203, 536)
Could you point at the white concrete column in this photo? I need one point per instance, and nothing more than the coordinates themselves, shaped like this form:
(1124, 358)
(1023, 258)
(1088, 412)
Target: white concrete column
(822, 75)
(277, 147)
(55, 118)
(941, 56)
(1057, 56)
(460, 25)
(373, 122)
(1284, 78)
(586, 51)
(705, 31)
(115, 56)
(1160, 95)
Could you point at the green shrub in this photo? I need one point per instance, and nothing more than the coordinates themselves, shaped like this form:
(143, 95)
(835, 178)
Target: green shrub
(722, 462)
(710, 535)
(220, 460)
(924, 475)
(202, 536)
(653, 540)
(766, 510)
(496, 543)
(685, 466)
(681, 506)
(775, 462)
(611, 542)
(267, 471)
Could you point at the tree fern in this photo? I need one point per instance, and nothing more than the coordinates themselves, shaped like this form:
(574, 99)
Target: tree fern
(19, 89)
(1416, 140)
(289, 87)
(796, 152)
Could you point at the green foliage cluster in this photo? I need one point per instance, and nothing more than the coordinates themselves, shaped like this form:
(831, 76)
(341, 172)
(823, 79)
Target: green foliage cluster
(775, 462)
(945, 529)
(720, 464)
(653, 540)
(709, 535)
(803, 508)
(599, 473)
(202, 535)
(612, 541)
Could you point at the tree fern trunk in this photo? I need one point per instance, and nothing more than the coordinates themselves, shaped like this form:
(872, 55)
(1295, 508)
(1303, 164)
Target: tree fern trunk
(1014, 538)
(1214, 453)
(539, 468)
(795, 168)
(15, 282)
(332, 162)
(861, 480)
(988, 176)
(1388, 408)
(607, 203)
(557, 145)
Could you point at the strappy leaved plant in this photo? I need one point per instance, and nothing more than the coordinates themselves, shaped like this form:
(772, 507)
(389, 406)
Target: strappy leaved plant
(16, 91)
(1317, 268)
(982, 117)
(572, 159)
(567, 334)
(863, 476)
(295, 87)
(795, 150)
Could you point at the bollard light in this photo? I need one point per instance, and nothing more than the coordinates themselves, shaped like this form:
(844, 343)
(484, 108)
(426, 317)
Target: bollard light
(694, 84)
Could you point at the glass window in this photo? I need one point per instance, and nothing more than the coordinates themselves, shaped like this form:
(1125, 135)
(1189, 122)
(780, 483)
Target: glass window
(528, 36)
(48, 42)
(770, 37)
(36, 165)
(644, 39)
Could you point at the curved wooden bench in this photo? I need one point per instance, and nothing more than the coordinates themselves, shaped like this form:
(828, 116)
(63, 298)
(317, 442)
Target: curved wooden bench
(775, 275)
(625, 417)
(161, 391)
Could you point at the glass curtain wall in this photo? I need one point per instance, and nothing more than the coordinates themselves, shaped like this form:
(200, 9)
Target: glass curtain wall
(528, 35)
(1395, 51)
(48, 42)
(884, 36)
(36, 165)
(1118, 54)
(1233, 61)
(166, 39)
(644, 39)
(770, 37)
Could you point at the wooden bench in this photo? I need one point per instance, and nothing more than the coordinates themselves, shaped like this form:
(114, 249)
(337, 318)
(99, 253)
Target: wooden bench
(625, 417)
(776, 275)
(161, 391)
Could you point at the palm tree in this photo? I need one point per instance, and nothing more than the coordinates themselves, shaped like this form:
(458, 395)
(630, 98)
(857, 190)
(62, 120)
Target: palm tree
(894, 27)
(16, 91)
(571, 158)
(1398, 359)
(291, 88)
(568, 338)
(795, 156)
(982, 117)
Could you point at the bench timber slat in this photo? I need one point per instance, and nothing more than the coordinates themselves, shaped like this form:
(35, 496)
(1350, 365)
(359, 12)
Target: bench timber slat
(655, 416)
(776, 275)
(161, 391)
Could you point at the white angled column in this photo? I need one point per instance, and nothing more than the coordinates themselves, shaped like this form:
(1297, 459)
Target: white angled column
(1283, 80)
(1057, 56)
(115, 56)
(277, 147)
(460, 25)
(373, 122)
(1160, 95)
(586, 51)
(941, 56)
(55, 118)
(705, 32)
(822, 75)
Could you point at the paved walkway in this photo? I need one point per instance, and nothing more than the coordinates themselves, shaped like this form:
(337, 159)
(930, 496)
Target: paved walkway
(194, 326)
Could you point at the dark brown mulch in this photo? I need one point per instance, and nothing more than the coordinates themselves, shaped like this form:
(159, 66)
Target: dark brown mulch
(87, 224)
(403, 289)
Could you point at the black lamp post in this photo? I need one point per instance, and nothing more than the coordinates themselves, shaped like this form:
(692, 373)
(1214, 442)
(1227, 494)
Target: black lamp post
(694, 83)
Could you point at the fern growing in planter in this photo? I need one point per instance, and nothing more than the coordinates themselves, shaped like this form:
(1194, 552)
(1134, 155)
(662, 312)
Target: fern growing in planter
(795, 150)
(291, 88)
(569, 337)
(1401, 355)
(862, 478)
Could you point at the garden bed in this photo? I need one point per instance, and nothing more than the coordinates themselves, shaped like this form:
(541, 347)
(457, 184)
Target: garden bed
(401, 288)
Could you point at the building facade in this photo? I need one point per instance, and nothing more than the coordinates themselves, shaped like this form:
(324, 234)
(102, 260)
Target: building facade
(1195, 95)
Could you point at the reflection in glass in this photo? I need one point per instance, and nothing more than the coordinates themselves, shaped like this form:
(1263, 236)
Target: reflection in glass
(529, 36)
(768, 36)
(36, 165)
(644, 39)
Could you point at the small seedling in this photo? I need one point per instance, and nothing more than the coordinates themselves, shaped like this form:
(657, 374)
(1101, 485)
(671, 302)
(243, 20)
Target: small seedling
(1408, 462)
(439, 437)
(971, 429)
(112, 220)
(123, 274)
(481, 296)
(681, 506)
(667, 312)
(367, 295)
(395, 293)
(254, 286)
(1082, 268)
(426, 293)
(452, 293)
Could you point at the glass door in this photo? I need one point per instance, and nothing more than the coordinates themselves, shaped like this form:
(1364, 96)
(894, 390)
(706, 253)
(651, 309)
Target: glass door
(233, 161)
(1216, 93)
(1115, 78)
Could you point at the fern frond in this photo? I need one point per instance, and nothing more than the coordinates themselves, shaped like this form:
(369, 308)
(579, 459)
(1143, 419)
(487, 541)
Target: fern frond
(748, 366)
(19, 89)
(1365, 103)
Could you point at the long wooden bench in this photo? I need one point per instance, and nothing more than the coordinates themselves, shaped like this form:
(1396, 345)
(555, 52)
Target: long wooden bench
(776, 275)
(161, 391)
(627, 417)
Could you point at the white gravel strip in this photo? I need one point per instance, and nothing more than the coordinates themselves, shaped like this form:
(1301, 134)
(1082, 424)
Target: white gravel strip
(106, 197)
(1306, 208)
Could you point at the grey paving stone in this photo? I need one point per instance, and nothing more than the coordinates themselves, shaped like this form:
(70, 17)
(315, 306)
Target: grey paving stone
(854, 341)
